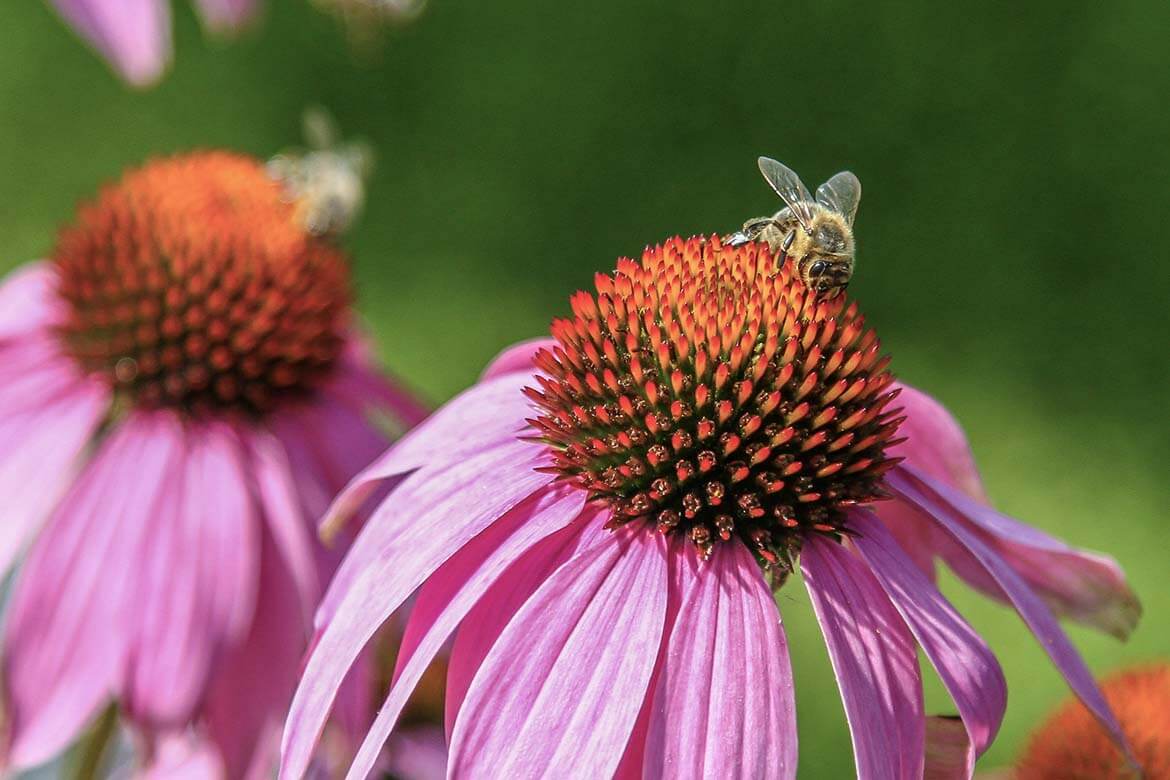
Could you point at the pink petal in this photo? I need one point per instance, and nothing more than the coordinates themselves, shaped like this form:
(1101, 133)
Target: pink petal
(413, 495)
(935, 443)
(550, 697)
(483, 416)
(133, 35)
(68, 625)
(40, 450)
(724, 703)
(35, 371)
(445, 510)
(195, 579)
(285, 518)
(358, 380)
(681, 565)
(517, 358)
(874, 658)
(487, 620)
(964, 662)
(225, 16)
(453, 590)
(28, 300)
(1034, 612)
(914, 534)
(254, 682)
(1087, 587)
(333, 439)
(181, 757)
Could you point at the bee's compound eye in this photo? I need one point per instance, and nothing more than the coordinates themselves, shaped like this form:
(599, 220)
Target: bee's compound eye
(818, 268)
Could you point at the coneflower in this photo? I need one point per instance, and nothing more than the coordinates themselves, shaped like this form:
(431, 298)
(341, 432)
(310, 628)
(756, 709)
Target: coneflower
(182, 391)
(601, 522)
(1071, 745)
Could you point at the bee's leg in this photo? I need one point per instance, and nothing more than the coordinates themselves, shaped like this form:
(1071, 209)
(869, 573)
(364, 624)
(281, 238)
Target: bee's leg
(751, 231)
(786, 244)
(754, 227)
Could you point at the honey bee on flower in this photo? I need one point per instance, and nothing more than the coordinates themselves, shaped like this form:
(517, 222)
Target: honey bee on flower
(816, 234)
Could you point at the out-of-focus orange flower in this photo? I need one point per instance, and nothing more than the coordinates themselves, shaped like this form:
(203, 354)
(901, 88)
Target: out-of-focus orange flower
(1071, 745)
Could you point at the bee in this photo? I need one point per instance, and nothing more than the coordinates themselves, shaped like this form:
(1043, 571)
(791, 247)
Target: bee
(365, 20)
(816, 234)
(327, 181)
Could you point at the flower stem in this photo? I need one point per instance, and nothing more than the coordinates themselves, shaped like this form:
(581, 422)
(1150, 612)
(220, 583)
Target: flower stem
(92, 751)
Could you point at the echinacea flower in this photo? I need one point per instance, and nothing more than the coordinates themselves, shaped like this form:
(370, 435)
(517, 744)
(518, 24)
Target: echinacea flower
(134, 36)
(182, 391)
(1071, 743)
(600, 524)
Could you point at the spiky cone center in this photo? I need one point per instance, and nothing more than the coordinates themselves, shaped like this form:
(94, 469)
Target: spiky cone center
(1072, 744)
(191, 285)
(702, 392)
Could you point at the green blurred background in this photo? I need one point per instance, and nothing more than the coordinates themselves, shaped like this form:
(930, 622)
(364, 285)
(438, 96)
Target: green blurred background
(1013, 235)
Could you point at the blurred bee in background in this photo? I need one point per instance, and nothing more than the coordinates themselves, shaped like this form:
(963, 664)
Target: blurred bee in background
(326, 181)
(364, 20)
(817, 235)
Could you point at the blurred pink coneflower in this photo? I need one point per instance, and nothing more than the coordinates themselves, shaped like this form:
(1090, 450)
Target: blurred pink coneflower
(601, 521)
(134, 36)
(182, 392)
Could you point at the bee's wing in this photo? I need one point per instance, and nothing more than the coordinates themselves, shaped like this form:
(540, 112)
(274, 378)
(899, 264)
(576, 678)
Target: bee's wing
(841, 193)
(320, 127)
(790, 189)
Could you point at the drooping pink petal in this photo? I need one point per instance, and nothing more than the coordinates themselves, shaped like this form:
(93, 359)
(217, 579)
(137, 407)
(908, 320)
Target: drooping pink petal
(935, 442)
(874, 658)
(28, 300)
(40, 450)
(914, 534)
(453, 590)
(551, 695)
(133, 35)
(196, 578)
(1031, 608)
(724, 704)
(69, 621)
(483, 625)
(1087, 587)
(226, 16)
(284, 516)
(964, 662)
(265, 664)
(517, 357)
(412, 495)
(484, 415)
(427, 529)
